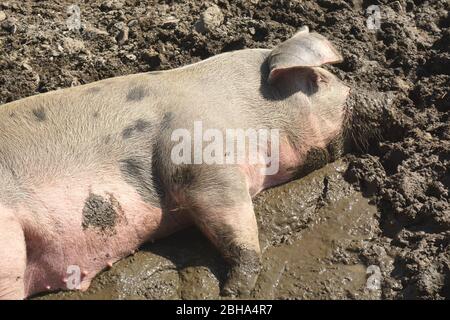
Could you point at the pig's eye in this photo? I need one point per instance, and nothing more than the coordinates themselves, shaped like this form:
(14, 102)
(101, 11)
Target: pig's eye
(323, 80)
(318, 80)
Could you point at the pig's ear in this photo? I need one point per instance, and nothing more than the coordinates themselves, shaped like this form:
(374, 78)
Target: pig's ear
(304, 49)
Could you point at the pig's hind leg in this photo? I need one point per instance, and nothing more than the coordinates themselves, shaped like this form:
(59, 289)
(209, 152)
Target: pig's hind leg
(222, 208)
(12, 257)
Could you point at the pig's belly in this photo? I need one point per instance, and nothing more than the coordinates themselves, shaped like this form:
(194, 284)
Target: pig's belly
(82, 225)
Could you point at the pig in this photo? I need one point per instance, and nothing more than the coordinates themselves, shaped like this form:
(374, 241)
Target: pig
(86, 175)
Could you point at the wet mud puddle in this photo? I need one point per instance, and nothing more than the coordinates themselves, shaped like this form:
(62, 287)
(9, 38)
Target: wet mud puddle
(308, 268)
(311, 232)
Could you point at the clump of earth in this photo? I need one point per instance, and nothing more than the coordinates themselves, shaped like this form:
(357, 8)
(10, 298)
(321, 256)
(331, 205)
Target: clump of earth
(374, 225)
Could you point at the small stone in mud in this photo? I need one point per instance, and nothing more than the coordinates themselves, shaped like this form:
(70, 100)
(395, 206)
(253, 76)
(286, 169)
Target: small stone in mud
(122, 35)
(210, 19)
(153, 58)
(10, 25)
(27, 67)
(100, 213)
(111, 5)
(131, 57)
(72, 46)
(170, 21)
(2, 16)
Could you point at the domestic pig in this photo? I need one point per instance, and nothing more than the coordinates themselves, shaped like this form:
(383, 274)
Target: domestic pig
(87, 177)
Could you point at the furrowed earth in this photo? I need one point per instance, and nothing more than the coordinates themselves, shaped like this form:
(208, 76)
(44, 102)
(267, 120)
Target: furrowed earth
(373, 225)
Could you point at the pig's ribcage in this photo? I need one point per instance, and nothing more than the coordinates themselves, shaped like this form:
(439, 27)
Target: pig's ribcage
(86, 223)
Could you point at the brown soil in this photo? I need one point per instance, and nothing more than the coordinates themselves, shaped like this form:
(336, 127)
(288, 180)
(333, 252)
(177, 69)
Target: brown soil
(403, 168)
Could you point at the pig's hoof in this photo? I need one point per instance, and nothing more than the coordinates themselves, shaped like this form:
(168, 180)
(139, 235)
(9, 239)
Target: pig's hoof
(234, 288)
(240, 282)
(243, 275)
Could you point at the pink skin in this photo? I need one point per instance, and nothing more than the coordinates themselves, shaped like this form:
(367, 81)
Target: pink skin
(52, 221)
(257, 181)
(55, 238)
(52, 249)
(62, 201)
(13, 256)
(92, 251)
(43, 234)
(291, 158)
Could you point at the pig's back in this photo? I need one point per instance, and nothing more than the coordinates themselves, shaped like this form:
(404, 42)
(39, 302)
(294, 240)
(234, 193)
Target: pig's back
(101, 126)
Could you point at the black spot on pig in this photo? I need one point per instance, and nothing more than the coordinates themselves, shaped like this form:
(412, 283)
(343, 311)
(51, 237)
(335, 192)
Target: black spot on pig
(95, 114)
(107, 139)
(39, 114)
(183, 175)
(137, 127)
(101, 213)
(205, 183)
(137, 171)
(13, 173)
(167, 120)
(154, 73)
(137, 93)
(93, 90)
(132, 167)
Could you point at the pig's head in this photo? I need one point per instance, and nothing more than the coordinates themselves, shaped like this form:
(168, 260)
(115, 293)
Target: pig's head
(317, 97)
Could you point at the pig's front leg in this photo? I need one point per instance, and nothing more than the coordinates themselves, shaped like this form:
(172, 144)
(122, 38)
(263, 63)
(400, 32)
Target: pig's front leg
(222, 208)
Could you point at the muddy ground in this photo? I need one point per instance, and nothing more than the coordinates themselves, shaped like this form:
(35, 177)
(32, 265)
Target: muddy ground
(376, 225)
